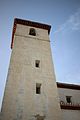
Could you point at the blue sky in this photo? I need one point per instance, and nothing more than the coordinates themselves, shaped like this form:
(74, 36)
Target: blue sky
(63, 16)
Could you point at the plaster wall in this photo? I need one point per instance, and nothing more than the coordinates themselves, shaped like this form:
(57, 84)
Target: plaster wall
(71, 115)
(20, 99)
(63, 92)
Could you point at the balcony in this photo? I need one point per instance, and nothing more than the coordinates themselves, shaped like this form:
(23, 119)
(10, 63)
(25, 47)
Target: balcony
(69, 106)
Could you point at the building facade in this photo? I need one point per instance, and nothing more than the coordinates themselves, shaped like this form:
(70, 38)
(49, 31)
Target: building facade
(31, 90)
(69, 95)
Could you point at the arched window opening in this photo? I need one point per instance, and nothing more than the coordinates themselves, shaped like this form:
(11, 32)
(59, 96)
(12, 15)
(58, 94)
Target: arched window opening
(32, 32)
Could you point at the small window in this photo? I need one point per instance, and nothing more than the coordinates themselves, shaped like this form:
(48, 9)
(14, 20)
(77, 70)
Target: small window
(37, 63)
(32, 32)
(38, 88)
(68, 99)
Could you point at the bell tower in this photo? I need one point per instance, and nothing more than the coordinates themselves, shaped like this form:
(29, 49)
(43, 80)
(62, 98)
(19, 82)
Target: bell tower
(31, 91)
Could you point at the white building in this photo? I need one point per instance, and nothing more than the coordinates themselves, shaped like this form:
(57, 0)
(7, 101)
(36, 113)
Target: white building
(69, 95)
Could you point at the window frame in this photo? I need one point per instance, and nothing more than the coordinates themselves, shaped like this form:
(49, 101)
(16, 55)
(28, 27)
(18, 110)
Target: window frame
(32, 32)
(68, 99)
(37, 63)
(38, 88)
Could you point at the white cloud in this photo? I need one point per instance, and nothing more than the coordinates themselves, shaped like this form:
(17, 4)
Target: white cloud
(73, 23)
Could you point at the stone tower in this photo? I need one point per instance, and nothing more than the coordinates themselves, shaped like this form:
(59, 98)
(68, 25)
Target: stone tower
(31, 91)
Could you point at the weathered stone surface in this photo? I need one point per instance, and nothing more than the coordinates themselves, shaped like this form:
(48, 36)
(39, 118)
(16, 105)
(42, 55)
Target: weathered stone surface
(20, 99)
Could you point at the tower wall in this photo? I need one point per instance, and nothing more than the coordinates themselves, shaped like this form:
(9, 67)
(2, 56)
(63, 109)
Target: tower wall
(21, 102)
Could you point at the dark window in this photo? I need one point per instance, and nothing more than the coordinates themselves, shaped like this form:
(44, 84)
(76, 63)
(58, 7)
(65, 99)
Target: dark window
(32, 32)
(68, 99)
(38, 88)
(37, 63)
